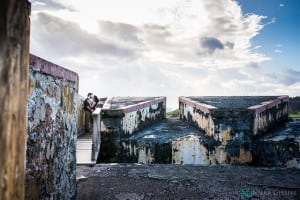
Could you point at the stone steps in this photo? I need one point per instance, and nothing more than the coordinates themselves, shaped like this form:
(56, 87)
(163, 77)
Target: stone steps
(84, 151)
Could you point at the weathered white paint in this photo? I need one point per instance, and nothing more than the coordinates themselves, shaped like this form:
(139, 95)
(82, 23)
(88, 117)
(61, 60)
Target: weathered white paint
(131, 120)
(263, 119)
(145, 155)
(203, 122)
(189, 151)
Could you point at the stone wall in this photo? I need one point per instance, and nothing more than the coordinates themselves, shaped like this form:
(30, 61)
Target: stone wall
(131, 118)
(120, 119)
(81, 117)
(233, 123)
(52, 131)
(281, 148)
(268, 114)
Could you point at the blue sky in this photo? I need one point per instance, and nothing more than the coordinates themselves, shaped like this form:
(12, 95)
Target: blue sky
(172, 47)
(280, 39)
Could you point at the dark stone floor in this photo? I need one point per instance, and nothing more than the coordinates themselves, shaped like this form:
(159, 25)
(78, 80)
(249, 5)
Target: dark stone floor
(233, 102)
(136, 182)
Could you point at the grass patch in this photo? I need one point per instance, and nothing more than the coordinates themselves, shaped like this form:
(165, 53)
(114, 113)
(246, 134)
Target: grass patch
(173, 114)
(294, 115)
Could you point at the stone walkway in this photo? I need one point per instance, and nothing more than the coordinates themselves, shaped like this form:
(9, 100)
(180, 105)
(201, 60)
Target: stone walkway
(137, 182)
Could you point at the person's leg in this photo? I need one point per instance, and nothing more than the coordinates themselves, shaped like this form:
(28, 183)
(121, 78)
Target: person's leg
(86, 121)
(91, 122)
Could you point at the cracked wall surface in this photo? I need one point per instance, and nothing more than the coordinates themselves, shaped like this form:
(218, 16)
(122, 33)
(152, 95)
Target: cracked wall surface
(52, 131)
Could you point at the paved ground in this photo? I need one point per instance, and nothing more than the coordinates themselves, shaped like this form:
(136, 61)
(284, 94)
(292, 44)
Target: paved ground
(136, 182)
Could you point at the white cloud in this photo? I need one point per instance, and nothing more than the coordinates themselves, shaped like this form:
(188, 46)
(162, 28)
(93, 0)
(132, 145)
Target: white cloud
(278, 51)
(149, 48)
(281, 5)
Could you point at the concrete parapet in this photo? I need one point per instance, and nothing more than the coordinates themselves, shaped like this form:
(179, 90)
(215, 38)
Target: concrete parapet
(52, 131)
(132, 113)
(234, 122)
(268, 114)
(123, 116)
(46, 67)
(250, 115)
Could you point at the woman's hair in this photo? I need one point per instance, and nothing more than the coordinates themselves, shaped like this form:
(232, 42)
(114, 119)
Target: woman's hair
(96, 99)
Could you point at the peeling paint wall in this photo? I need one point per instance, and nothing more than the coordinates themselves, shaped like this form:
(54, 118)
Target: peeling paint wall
(283, 152)
(233, 127)
(52, 131)
(142, 118)
(197, 116)
(282, 148)
(125, 121)
(185, 150)
(146, 153)
(189, 150)
(268, 114)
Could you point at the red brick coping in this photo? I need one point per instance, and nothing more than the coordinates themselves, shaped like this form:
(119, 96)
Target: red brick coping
(44, 66)
(131, 108)
(269, 104)
(257, 108)
(201, 106)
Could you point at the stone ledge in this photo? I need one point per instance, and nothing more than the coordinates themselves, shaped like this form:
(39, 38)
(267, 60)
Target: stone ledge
(44, 66)
(142, 105)
(203, 107)
(130, 108)
(263, 106)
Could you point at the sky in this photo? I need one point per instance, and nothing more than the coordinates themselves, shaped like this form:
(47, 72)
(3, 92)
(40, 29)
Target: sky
(172, 48)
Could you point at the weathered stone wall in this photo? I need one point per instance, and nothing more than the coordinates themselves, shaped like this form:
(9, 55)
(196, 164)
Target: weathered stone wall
(131, 118)
(282, 148)
(198, 114)
(268, 114)
(14, 60)
(124, 121)
(52, 131)
(81, 117)
(231, 127)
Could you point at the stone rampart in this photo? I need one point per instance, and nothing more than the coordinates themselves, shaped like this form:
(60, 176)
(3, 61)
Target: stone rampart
(52, 131)
(132, 116)
(123, 116)
(234, 122)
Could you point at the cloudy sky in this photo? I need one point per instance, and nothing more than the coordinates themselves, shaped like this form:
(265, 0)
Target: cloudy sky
(172, 47)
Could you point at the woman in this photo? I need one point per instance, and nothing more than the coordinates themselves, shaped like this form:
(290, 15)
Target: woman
(95, 102)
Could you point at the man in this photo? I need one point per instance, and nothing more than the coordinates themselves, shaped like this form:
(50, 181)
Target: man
(88, 102)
